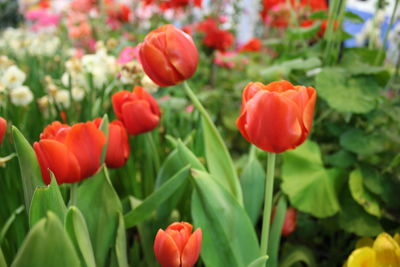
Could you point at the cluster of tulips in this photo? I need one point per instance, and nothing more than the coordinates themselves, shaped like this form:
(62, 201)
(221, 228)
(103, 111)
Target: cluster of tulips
(274, 117)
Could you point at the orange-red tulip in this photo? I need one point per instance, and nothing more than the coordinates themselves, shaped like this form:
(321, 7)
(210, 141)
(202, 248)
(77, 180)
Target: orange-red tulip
(278, 116)
(118, 148)
(177, 246)
(138, 110)
(168, 55)
(3, 127)
(71, 153)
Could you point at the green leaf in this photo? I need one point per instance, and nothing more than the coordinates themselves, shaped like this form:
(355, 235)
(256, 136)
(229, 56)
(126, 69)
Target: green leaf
(252, 181)
(260, 262)
(354, 219)
(151, 203)
(29, 166)
(120, 243)
(302, 64)
(353, 17)
(104, 128)
(219, 161)
(46, 199)
(188, 157)
(299, 254)
(321, 14)
(9, 223)
(229, 238)
(345, 93)
(47, 244)
(341, 159)
(357, 141)
(276, 232)
(3, 262)
(100, 205)
(76, 228)
(311, 187)
(362, 195)
(305, 33)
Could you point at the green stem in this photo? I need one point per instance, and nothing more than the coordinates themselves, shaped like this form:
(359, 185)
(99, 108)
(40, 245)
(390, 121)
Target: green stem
(197, 103)
(381, 51)
(269, 189)
(73, 192)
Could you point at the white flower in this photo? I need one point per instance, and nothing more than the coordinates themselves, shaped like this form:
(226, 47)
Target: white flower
(62, 98)
(21, 96)
(13, 77)
(77, 94)
(148, 84)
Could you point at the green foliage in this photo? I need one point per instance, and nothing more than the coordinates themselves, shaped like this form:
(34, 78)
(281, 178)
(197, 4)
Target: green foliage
(229, 238)
(47, 244)
(310, 186)
(276, 232)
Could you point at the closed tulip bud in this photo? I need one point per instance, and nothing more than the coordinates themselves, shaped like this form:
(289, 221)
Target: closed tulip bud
(278, 116)
(118, 148)
(71, 153)
(177, 246)
(289, 225)
(3, 127)
(168, 55)
(137, 110)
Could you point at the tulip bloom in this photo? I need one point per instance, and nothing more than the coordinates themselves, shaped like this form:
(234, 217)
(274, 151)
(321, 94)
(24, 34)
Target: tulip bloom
(138, 110)
(3, 127)
(118, 148)
(168, 55)
(278, 116)
(177, 246)
(71, 153)
(289, 225)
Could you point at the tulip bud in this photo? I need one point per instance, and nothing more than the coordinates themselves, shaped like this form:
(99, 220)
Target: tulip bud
(168, 55)
(278, 116)
(118, 148)
(177, 246)
(289, 226)
(137, 110)
(3, 127)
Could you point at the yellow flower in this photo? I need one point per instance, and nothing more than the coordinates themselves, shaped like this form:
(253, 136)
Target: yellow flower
(386, 247)
(362, 257)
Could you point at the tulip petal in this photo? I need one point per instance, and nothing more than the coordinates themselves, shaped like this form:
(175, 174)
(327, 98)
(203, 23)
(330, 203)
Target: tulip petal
(118, 148)
(157, 66)
(138, 117)
(118, 100)
(191, 252)
(166, 251)
(3, 126)
(86, 142)
(181, 52)
(272, 122)
(55, 156)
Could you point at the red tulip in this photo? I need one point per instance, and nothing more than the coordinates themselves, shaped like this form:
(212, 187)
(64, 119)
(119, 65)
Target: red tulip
(289, 225)
(138, 110)
(3, 127)
(278, 116)
(177, 246)
(253, 45)
(168, 55)
(219, 39)
(71, 153)
(118, 148)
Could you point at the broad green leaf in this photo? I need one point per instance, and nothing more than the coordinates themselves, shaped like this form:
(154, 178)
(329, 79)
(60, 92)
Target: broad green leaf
(260, 262)
(357, 141)
(347, 94)
(3, 262)
(298, 33)
(104, 128)
(29, 166)
(302, 64)
(219, 161)
(310, 186)
(276, 232)
(100, 205)
(47, 244)
(321, 14)
(229, 238)
(341, 159)
(299, 254)
(120, 243)
(151, 203)
(47, 198)
(353, 17)
(354, 219)
(360, 194)
(252, 181)
(76, 228)
(188, 157)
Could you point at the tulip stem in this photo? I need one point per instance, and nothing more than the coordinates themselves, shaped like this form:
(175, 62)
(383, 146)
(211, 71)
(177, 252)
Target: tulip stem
(269, 189)
(72, 196)
(196, 102)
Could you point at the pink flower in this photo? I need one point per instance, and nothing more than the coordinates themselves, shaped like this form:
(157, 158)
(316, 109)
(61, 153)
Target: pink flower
(127, 55)
(189, 109)
(41, 18)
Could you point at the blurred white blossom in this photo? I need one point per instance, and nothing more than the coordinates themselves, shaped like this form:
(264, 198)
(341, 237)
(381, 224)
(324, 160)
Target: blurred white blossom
(62, 98)
(13, 77)
(21, 96)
